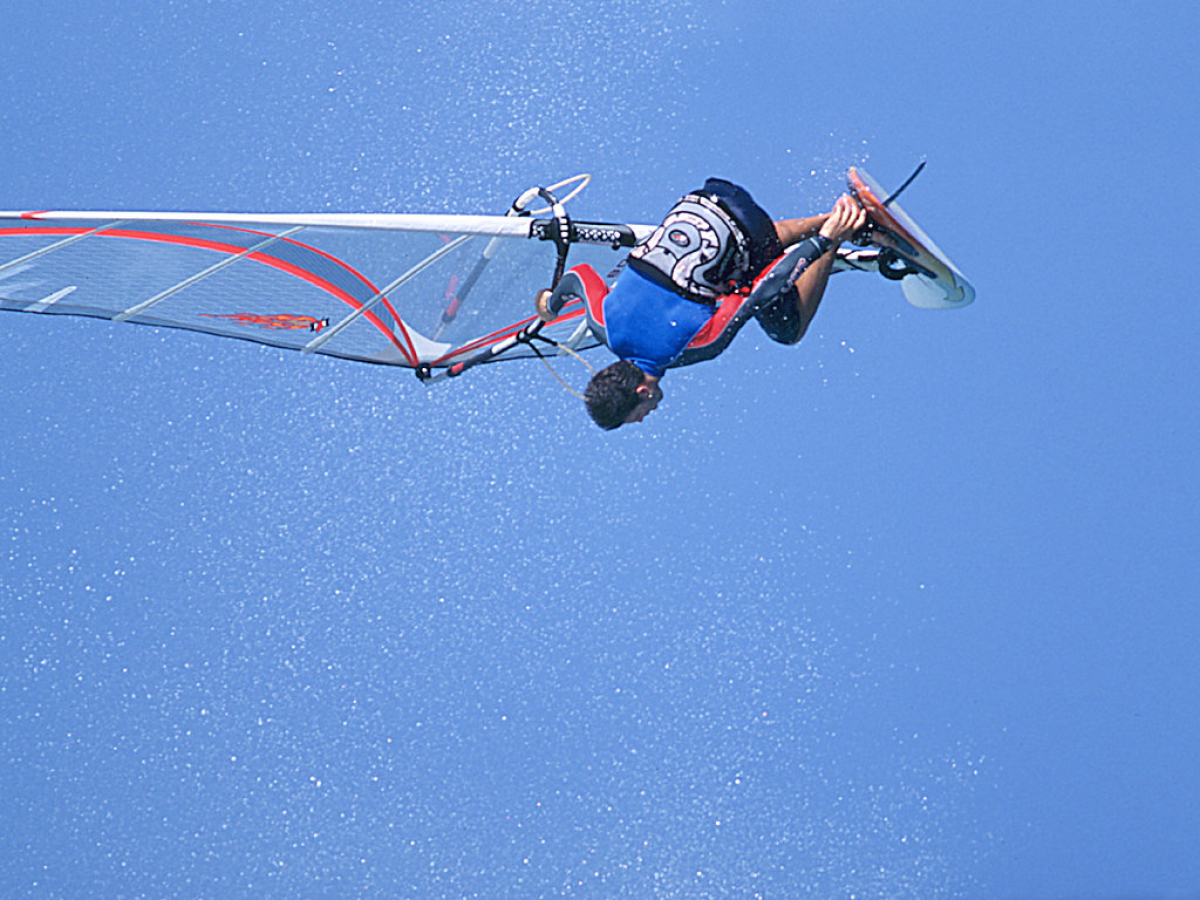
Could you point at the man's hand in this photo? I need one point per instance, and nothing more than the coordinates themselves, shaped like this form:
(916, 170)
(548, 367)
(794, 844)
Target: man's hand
(846, 217)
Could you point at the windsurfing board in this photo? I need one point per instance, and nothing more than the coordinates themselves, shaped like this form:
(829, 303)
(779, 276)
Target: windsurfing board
(929, 280)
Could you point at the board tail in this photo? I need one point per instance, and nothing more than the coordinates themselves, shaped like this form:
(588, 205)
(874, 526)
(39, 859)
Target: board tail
(927, 277)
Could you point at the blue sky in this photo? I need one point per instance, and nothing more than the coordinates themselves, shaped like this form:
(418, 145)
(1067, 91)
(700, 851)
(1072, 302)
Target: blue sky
(906, 611)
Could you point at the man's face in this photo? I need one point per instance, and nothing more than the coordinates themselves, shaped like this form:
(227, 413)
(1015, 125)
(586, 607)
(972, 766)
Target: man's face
(650, 394)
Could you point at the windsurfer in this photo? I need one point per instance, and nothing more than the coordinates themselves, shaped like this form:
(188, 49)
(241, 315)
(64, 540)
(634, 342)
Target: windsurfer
(713, 242)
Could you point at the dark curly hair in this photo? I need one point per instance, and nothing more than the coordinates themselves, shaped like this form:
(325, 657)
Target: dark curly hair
(611, 395)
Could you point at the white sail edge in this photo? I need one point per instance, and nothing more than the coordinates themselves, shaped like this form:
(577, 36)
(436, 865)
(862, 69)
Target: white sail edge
(499, 226)
(448, 223)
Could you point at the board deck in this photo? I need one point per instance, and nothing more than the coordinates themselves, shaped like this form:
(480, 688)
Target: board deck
(937, 283)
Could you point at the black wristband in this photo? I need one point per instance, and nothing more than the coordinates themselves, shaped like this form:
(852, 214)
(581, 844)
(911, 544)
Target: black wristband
(822, 243)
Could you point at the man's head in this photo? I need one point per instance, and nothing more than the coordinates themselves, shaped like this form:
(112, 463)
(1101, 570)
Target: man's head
(620, 394)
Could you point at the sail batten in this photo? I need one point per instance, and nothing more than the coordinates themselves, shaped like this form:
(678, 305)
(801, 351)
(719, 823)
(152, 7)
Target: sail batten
(58, 245)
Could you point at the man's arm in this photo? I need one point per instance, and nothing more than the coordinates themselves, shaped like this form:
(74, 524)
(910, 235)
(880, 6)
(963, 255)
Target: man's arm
(846, 217)
(793, 231)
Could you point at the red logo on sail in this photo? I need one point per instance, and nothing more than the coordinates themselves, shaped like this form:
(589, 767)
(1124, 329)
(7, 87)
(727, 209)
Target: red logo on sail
(278, 322)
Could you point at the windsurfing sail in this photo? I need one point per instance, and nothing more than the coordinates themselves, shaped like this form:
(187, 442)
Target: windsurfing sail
(359, 286)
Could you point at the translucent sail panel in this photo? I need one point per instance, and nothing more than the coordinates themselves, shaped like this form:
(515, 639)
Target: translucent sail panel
(390, 297)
